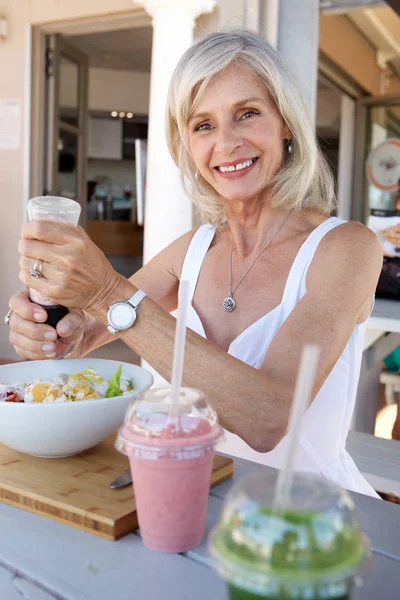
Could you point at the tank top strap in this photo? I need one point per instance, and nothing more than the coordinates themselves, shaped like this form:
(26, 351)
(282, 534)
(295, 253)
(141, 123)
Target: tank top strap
(295, 285)
(195, 255)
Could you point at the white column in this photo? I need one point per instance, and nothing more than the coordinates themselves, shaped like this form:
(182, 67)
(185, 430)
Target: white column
(168, 211)
(271, 21)
(347, 140)
(298, 40)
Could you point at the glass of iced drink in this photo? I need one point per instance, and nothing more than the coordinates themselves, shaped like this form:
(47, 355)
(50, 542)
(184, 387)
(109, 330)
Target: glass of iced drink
(171, 459)
(52, 208)
(313, 549)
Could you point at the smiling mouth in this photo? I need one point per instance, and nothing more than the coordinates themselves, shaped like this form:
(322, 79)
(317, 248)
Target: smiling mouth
(238, 167)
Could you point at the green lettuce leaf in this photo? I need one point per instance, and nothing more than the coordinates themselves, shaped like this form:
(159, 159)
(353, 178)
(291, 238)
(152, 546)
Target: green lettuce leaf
(114, 386)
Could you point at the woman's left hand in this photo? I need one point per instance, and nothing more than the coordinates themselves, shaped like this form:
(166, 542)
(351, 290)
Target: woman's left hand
(75, 272)
(392, 235)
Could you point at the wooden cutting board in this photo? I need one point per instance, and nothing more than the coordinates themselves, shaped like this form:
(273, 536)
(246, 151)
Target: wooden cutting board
(76, 491)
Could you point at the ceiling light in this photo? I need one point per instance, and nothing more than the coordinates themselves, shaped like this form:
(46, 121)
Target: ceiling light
(129, 115)
(122, 114)
(114, 113)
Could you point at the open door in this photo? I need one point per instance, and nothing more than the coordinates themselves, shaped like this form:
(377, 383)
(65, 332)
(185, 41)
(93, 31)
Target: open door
(66, 121)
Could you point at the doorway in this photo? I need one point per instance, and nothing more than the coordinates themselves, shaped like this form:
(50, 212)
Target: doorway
(94, 127)
(335, 124)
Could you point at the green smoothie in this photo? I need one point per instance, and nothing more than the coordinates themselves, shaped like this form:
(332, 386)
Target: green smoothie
(237, 594)
(292, 555)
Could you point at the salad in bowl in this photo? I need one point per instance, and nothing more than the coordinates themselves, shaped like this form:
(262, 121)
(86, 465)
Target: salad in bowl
(86, 385)
(59, 408)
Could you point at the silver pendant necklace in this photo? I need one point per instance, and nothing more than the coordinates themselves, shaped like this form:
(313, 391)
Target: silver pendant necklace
(229, 304)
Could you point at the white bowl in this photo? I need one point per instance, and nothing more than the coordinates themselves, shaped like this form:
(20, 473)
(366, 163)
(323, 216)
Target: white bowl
(65, 428)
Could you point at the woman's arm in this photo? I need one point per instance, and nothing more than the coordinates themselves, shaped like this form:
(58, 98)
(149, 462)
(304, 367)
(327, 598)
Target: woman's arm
(255, 404)
(78, 332)
(159, 278)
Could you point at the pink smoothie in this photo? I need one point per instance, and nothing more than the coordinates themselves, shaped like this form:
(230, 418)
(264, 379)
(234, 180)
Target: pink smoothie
(171, 475)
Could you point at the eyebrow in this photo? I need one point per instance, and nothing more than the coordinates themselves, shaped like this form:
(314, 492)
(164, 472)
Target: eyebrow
(237, 104)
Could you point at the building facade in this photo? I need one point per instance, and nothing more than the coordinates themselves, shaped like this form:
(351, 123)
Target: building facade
(345, 55)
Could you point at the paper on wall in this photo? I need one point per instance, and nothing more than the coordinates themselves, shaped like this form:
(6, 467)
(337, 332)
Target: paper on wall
(10, 124)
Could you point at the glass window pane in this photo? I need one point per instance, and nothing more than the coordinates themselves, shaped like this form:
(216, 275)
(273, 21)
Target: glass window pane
(69, 86)
(383, 179)
(66, 184)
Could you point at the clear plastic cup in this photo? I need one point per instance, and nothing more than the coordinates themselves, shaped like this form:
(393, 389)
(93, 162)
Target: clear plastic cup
(52, 208)
(314, 549)
(171, 460)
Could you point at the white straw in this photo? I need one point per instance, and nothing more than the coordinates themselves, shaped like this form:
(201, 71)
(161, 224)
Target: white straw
(302, 398)
(180, 338)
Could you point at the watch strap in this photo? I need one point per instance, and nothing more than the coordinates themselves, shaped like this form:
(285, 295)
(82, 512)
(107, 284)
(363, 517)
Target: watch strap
(136, 299)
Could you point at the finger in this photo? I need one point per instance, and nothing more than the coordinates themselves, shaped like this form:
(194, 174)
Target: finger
(38, 349)
(28, 263)
(24, 353)
(53, 232)
(41, 284)
(32, 330)
(21, 304)
(71, 326)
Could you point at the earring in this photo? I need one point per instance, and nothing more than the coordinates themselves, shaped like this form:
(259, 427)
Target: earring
(196, 175)
(289, 146)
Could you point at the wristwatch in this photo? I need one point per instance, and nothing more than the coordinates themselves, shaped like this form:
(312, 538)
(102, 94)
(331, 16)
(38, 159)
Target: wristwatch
(122, 315)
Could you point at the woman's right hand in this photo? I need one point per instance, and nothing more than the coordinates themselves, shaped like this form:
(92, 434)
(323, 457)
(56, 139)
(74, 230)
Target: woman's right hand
(34, 340)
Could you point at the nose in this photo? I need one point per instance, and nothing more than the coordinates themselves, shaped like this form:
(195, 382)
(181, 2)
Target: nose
(228, 140)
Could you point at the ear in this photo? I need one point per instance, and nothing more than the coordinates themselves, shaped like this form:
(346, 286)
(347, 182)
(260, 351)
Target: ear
(287, 134)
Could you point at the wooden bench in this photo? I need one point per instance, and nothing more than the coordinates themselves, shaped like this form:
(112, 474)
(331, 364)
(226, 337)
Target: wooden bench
(378, 460)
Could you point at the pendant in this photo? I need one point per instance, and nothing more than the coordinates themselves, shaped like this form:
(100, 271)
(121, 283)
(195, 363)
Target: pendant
(229, 304)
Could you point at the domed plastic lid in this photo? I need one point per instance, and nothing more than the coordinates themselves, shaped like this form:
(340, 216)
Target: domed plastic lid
(151, 431)
(313, 548)
(46, 208)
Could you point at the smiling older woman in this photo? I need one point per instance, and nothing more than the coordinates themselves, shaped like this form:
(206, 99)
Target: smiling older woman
(269, 271)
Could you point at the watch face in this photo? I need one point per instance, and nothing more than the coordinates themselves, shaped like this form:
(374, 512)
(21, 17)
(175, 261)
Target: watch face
(122, 315)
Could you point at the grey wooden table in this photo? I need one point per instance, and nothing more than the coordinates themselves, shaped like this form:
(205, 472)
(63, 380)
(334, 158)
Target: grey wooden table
(44, 560)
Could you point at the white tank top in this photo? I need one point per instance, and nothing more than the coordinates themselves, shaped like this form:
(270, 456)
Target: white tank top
(327, 420)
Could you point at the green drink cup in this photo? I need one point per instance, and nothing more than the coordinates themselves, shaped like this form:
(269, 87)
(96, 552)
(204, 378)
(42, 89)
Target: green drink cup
(313, 549)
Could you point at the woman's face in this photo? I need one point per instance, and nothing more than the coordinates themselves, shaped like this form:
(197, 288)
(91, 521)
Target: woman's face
(236, 135)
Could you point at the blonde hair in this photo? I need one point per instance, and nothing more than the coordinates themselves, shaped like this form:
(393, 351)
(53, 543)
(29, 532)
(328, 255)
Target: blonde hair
(304, 180)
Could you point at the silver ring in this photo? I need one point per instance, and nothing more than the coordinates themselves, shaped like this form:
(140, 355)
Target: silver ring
(8, 317)
(37, 269)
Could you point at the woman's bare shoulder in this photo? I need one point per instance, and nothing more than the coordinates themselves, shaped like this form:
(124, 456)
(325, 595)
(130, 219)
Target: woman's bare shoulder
(348, 250)
(353, 237)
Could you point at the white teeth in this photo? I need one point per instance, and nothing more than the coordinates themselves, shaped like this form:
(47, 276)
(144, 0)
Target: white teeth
(237, 167)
